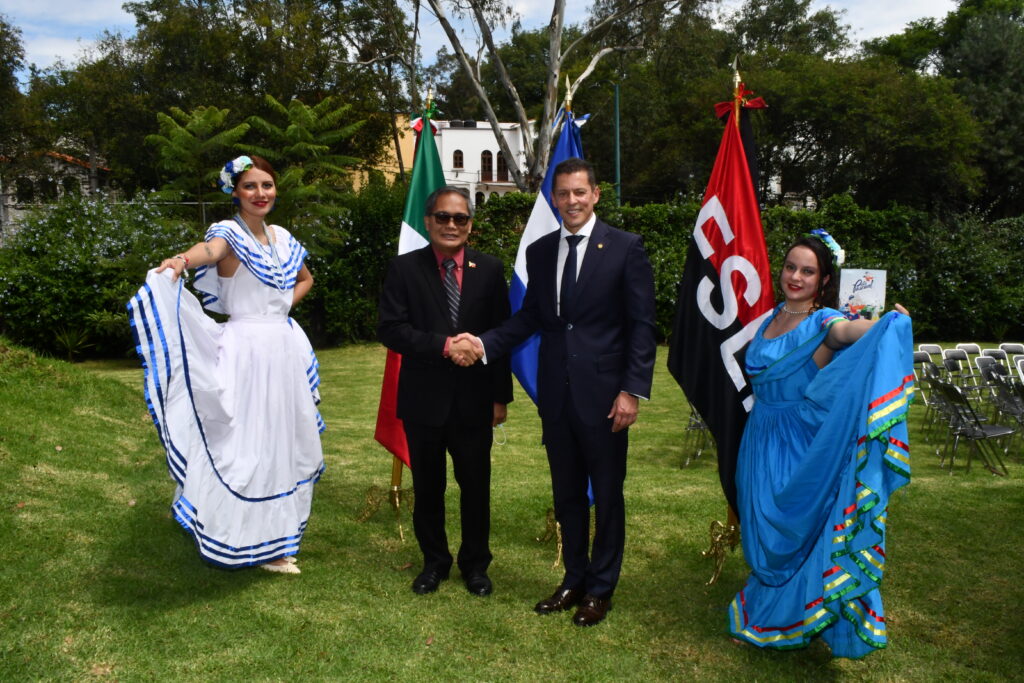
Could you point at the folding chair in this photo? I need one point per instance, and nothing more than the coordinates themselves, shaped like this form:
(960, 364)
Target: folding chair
(933, 350)
(697, 431)
(998, 354)
(953, 361)
(1018, 362)
(1012, 348)
(958, 368)
(1009, 401)
(967, 424)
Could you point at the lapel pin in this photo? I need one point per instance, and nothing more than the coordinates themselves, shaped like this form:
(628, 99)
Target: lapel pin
(471, 264)
(600, 245)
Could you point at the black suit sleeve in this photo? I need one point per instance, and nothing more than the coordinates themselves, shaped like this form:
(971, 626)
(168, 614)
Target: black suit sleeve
(394, 326)
(500, 341)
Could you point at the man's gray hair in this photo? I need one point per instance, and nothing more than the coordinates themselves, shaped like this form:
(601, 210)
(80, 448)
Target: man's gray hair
(448, 189)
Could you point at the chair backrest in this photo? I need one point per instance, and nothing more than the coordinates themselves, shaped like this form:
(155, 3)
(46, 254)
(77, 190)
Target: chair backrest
(983, 363)
(970, 347)
(956, 354)
(1011, 348)
(922, 357)
(1018, 362)
(998, 354)
(933, 349)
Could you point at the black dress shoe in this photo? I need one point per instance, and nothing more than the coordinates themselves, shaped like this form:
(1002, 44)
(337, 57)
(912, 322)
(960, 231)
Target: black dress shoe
(592, 611)
(477, 583)
(427, 581)
(561, 600)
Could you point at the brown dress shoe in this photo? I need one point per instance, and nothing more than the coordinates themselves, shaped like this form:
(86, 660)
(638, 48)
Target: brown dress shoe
(561, 600)
(592, 611)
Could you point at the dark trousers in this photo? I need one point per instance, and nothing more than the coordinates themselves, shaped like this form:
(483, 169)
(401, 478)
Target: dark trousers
(470, 448)
(577, 453)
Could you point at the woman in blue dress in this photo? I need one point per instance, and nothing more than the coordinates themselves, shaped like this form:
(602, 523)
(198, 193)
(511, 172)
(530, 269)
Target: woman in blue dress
(824, 448)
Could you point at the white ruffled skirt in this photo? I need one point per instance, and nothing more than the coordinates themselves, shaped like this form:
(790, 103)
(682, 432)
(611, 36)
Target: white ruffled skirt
(234, 405)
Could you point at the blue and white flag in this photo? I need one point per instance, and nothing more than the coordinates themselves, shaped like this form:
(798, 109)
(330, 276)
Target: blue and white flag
(543, 219)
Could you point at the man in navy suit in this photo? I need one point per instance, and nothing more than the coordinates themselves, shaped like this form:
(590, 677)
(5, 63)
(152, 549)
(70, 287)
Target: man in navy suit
(428, 296)
(590, 294)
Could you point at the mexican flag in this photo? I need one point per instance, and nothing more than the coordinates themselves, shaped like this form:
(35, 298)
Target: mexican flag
(427, 176)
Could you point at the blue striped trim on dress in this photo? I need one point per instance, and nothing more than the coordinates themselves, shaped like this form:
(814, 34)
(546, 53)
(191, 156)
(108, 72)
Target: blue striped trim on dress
(255, 259)
(232, 557)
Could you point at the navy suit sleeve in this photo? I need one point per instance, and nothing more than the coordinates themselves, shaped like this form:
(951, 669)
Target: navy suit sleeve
(394, 325)
(502, 372)
(500, 341)
(640, 329)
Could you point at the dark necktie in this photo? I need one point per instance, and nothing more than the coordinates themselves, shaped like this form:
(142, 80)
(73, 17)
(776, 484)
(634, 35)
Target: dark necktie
(451, 291)
(569, 278)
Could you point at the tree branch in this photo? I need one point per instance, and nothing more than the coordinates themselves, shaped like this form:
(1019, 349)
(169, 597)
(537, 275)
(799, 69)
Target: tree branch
(593, 64)
(453, 38)
(506, 81)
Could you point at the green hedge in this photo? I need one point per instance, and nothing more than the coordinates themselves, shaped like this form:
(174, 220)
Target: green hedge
(67, 273)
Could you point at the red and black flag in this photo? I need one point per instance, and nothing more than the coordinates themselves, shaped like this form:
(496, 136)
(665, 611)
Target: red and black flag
(725, 293)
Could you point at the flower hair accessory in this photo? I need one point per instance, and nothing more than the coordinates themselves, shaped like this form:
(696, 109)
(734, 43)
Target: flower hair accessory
(226, 181)
(838, 255)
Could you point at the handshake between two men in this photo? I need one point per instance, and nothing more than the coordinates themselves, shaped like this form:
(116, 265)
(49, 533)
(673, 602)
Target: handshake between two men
(465, 349)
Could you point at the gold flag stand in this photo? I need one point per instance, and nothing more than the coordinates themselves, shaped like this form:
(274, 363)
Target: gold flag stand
(722, 535)
(395, 495)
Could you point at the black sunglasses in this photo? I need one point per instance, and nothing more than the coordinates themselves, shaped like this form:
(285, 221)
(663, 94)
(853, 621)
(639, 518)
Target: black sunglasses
(443, 217)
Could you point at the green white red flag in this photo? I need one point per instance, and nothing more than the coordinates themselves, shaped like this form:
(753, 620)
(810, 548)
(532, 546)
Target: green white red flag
(427, 176)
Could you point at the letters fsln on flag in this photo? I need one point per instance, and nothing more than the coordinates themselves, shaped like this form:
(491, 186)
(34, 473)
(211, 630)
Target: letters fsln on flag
(724, 295)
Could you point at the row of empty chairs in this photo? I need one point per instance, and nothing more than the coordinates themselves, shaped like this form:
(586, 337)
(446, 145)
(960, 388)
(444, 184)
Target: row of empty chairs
(977, 394)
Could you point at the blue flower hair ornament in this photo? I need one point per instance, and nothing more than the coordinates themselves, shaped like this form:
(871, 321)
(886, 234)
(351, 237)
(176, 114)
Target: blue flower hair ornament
(229, 174)
(838, 255)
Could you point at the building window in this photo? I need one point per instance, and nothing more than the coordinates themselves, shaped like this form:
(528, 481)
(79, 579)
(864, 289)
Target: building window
(486, 166)
(48, 188)
(479, 199)
(25, 192)
(502, 169)
(457, 159)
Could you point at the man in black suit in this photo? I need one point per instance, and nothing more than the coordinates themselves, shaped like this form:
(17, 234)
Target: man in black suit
(591, 296)
(430, 295)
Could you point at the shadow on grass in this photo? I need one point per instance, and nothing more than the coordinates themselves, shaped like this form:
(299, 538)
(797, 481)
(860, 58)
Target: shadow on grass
(153, 564)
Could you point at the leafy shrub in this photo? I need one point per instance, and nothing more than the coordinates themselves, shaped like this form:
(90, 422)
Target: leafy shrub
(348, 254)
(67, 273)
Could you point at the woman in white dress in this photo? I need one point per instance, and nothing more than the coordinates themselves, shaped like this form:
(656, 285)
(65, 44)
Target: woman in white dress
(235, 403)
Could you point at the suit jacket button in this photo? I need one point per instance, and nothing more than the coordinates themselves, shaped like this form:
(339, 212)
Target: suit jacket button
(568, 326)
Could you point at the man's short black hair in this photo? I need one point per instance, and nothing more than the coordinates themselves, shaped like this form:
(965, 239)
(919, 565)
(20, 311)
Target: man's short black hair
(573, 165)
(448, 189)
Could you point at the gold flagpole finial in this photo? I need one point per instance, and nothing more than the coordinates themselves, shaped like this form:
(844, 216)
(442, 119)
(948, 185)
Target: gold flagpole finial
(568, 94)
(430, 95)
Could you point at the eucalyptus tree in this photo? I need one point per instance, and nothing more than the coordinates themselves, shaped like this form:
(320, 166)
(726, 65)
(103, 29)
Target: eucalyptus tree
(485, 16)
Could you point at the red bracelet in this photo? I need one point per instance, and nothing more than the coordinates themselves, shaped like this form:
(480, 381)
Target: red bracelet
(182, 257)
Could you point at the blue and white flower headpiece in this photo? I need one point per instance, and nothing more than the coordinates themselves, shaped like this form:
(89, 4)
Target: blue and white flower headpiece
(838, 255)
(230, 172)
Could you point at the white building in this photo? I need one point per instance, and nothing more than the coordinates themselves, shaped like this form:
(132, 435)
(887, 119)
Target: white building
(470, 156)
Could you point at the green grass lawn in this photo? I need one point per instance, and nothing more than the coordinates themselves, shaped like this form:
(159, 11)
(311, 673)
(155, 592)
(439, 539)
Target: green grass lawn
(98, 582)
